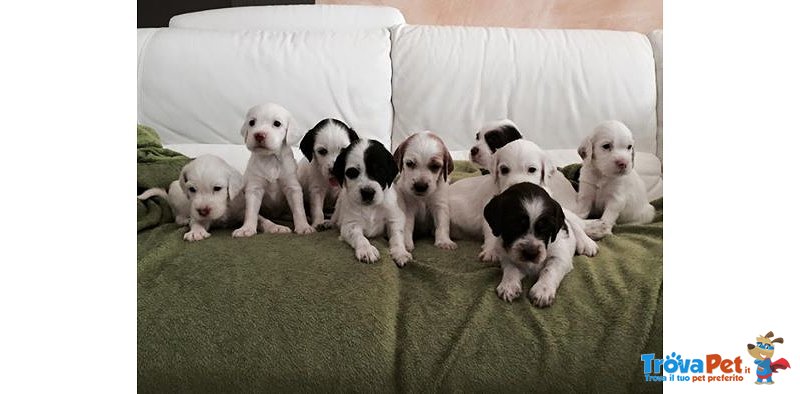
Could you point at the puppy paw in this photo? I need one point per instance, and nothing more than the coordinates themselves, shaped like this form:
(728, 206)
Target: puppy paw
(489, 255)
(587, 248)
(197, 235)
(367, 254)
(446, 244)
(182, 220)
(401, 257)
(542, 294)
(597, 229)
(509, 291)
(409, 244)
(323, 225)
(244, 232)
(278, 229)
(304, 229)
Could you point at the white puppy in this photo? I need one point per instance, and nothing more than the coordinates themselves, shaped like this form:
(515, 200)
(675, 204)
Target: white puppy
(536, 240)
(320, 146)
(271, 174)
(516, 162)
(424, 163)
(609, 186)
(207, 193)
(490, 138)
(367, 205)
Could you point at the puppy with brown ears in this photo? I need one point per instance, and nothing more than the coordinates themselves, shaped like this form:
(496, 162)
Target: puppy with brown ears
(269, 132)
(424, 164)
(208, 193)
(609, 185)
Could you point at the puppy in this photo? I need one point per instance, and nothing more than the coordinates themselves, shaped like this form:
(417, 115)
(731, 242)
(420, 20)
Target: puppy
(367, 205)
(424, 163)
(271, 174)
(609, 186)
(320, 146)
(516, 162)
(536, 240)
(207, 193)
(490, 138)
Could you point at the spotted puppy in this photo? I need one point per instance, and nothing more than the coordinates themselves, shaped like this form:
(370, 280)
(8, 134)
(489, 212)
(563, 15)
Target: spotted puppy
(367, 206)
(208, 193)
(609, 187)
(271, 174)
(320, 146)
(489, 139)
(536, 241)
(424, 163)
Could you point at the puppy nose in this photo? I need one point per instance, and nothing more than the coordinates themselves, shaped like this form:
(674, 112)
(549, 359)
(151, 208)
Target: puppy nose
(750, 346)
(473, 151)
(260, 137)
(420, 187)
(367, 194)
(529, 254)
(621, 164)
(204, 211)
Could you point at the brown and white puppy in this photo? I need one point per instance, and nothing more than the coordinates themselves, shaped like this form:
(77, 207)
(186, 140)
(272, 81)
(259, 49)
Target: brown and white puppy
(536, 239)
(320, 146)
(424, 164)
(490, 138)
(269, 132)
(610, 188)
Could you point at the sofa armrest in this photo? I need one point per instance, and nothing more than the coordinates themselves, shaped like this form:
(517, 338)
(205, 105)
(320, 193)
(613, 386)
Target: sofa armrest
(657, 41)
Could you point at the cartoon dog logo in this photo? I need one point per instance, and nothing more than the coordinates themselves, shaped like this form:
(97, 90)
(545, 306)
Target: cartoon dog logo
(762, 351)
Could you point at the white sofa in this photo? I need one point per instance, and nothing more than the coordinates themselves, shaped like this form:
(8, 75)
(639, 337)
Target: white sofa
(365, 66)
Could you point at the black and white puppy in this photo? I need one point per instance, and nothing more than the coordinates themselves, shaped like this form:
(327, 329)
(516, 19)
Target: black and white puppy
(490, 138)
(320, 146)
(367, 206)
(424, 163)
(536, 241)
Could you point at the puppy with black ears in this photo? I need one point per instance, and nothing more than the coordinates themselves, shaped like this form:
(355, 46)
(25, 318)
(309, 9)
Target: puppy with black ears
(536, 240)
(320, 146)
(609, 185)
(208, 193)
(367, 206)
(424, 163)
(490, 138)
(269, 132)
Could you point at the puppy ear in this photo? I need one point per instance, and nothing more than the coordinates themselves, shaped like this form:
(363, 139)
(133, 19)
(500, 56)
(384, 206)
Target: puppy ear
(561, 222)
(182, 179)
(235, 183)
(338, 165)
(448, 163)
(585, 149)
(352, 135)
(400, 152)
(633, 156)
(777, 340)
(293, 133)
(548, 170)
(245, 127)
(493, 213)
(307, 145)
(391, 167)
(769, 335)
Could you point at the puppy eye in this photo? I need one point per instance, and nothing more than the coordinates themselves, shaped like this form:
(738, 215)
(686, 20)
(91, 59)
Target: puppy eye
(276, 123)
(192, 189)
(504, 170)
(352, 173)
(434, 167)
(630, 147)
(252, 122)
(217, 188)
(410, 164)
(607, 146)
(531, 170)
(322, 151)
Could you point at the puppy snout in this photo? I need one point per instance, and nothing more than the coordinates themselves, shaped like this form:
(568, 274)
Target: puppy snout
(260, 137)
(420, 187)
(529, 254)
(204, 211)
(367, 194)
(473, 151)
(621, 164)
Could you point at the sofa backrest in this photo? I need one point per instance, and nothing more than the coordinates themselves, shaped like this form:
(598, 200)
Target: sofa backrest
(555, 84)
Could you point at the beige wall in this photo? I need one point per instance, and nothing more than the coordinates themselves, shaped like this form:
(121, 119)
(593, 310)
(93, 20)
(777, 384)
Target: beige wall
(637, 15)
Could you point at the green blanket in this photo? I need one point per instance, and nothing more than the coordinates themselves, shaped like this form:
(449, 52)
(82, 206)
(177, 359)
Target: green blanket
(288, 312)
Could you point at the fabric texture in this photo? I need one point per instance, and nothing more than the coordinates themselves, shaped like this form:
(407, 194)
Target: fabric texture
(300, 313)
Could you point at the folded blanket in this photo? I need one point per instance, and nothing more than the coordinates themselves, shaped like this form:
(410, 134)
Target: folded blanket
(300, 313)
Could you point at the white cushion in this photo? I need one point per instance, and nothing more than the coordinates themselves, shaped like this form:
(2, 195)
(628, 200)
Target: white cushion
(555, 84)
(295, 17)
(195, 86)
